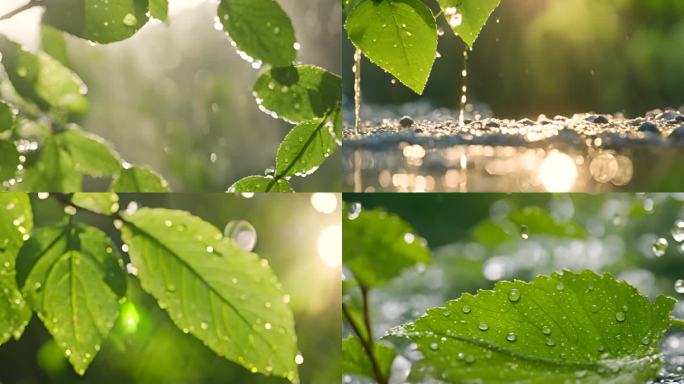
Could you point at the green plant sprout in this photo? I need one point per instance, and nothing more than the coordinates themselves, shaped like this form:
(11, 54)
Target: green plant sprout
(564, 327)
(72, 275)
(42, 149)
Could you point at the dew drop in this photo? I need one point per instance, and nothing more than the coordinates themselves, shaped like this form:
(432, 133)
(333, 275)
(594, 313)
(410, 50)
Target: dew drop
(434, 346)
(511, 337)
(130, 20)
(466, 309)
(645, 341)
(679, 286)
(560, 286)
(546, 331)
(620, 316)
(550, 342)
(204, 326)
(678, 231)
(514, 295)
(354, 210)
(299, 359)
(524, 232)
(469, 359)
(594, 308)
(483, 327)
(659, 247)
(242, 232)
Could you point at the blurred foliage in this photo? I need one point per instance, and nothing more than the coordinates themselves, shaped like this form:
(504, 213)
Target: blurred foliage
(146, 347)
(555, 57)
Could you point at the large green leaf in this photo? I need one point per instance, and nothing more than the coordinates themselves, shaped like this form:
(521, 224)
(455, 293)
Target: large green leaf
(159, 9)
(260, 184)
(467, 17)
(305, 148)
(555, 329)
(226, 297)
(398, 35)
(64, 157)
(139, 179)
(355, 360)
(260, 29)
(101, 21)
(101, 202)
(54, 44)
(379, 245)
(43, 80)
(298, 93)
(70, 276)
(16, 222)
(7, 117)
(526, 223)
(9, 160)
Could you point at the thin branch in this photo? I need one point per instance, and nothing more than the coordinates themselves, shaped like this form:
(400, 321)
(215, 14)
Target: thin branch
(25, 7)
(677, 323)
(366, 344)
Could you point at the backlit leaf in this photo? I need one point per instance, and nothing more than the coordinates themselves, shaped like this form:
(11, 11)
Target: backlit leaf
(139, 179)
(467, 17)
(305, 148)
(9, 160)
(355, 360)
(105, 203)
(260, 184)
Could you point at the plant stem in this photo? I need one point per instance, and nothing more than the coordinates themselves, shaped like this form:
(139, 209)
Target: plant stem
(677, 323)
(366, 344)
(27, 6)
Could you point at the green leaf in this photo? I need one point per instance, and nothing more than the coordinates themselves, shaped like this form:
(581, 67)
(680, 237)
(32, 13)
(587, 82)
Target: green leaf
(355, 360)
(305, 148)
(559, 328)
(101, 21)
(139, 179)
(260, 184)
(7, 117)
(16, 222)
(529, 222)
(261, 30)
(9, 160)
(70, 276)
(298, 93)
(43, 80)
(398, 35)
(105, 203)
(379, 245)
(90, 154)
(54, 44)
(467, 17)
(226, 297)
(159, 9)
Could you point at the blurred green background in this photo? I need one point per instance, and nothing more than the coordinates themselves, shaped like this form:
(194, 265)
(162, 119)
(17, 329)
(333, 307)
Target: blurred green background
(294, 234)
(620, 228)
(554, 57)
(176, 93)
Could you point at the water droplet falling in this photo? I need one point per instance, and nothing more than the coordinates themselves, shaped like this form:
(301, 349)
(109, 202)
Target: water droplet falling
(524, 232)
(464, 88)
(242, 232)
(659, 247)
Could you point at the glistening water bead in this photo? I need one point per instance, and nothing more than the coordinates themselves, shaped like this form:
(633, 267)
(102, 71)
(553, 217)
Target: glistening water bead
(242, 232)
(659, 247)
(678, 231)
(679, 286)
(514, 295)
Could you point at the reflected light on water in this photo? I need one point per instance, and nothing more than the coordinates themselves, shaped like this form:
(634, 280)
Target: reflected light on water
(558, 172)
(330, 246)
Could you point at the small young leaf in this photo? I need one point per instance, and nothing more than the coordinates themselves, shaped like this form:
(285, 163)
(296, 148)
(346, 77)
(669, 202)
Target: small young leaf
(298, 93)
(90, 154)
(398, 35)
(467, 17)
(559, 328)
(527, 222)
(16, 222)
(105, 203)
(260, 184)
(379, 245)
(7, 117)
(159, 9)
(70, 277)
(139, 179)
(260, 29)
(43, 80)
(226, 297)
(305, 148)
(54, 44)
(355, 359)
(9, 160)
(99, 21)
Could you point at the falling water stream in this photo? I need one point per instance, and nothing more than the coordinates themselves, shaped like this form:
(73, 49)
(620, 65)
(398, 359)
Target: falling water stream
(357, 89)
(464, 89)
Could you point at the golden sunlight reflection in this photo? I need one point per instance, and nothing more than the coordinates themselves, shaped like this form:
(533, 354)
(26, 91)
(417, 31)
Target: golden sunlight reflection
(330, 246)
(558, 172)
(324, 202)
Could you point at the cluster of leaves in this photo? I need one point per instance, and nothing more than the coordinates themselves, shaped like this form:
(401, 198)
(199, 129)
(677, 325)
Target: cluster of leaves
(400, 36)
(41, 146)
(304, 95)
(566, 327)
(73, 277)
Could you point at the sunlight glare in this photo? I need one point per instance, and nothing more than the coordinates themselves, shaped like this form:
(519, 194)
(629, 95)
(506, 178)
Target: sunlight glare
(330, 246)
(324, 202)
(558, 172)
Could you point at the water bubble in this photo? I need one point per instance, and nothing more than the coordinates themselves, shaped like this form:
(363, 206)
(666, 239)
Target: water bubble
(299, 359)
(354, 210)
(678, 231)
(546, 331)
(659, 247)
(511, 337)
(560, 286)
(594, 308)
(469, 359)
(483, 327)
(514, 295)
(645, 341)
(466, 309)
(130, 20)
(550, 342)
(679, 286)
(524, 232)
(434, 346)
(620, 316)
(409, 238)
(242, 232)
